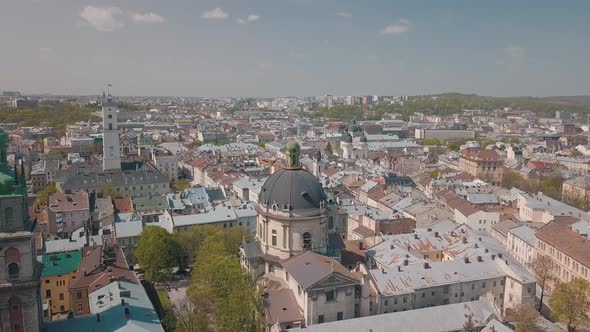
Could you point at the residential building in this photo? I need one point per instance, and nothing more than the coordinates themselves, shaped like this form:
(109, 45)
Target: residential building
(541, 208)
(59, 270)
(483, 164)
(166, 162)
(444, 134)
(100, 265)
(450, 317)
(67, 212)
(521, 244)
(565, 241)
(128, 228)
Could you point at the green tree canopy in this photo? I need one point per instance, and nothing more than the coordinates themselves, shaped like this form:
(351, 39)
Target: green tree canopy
(181, 184)
(43, 195)
(570, 303)
(157, 253)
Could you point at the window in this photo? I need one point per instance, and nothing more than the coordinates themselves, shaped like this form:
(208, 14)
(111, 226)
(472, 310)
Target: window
(330, 296)
(306, 240)
(79, 295)
(423, 295)
(432, 293)
(62, 308)
(79, 307)
(61, 296)
(445, 301)
(386, 302)
(12, 271)
(330, 222)
(405, 299)
(320, 318)
(472, 286)
(339, 315)
(483, 284)
(494, 284)
(48, 293)
(274, 237)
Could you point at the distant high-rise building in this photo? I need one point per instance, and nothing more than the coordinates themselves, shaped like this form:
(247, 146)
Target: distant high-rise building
(111, 159)
(364, 103)
(329, 101)
(350, 100)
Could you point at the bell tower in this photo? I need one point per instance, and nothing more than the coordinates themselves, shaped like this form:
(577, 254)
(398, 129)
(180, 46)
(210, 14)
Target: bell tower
(111, 159)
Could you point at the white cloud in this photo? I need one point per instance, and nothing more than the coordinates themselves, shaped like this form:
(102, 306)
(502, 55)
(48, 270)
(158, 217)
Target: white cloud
(148, 18)
(104, 19)
(401, 27)
(215, 14)
(344, 14)
(249, 19)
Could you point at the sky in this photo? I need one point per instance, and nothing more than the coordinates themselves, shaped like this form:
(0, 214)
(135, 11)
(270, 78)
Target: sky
(295, 47)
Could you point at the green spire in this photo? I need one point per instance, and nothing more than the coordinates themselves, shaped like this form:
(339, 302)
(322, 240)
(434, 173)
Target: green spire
(293, 154)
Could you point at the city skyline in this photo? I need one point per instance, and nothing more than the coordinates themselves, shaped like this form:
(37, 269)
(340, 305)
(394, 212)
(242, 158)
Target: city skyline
(295, 48)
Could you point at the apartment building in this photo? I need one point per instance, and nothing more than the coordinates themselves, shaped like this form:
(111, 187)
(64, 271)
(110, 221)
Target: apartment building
(483, 164)
(565, 241)
(58, 272)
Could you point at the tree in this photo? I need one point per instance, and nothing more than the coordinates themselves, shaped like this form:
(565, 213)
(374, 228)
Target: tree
(43, 195)
(328, 149)
(542, 267)
(434, 174)
(469, 326)
(219, 286)
(157, 253)
(570, 303)
(526, 318)
(181, 185)
(189, 318)
(262, 144)
(108, 190)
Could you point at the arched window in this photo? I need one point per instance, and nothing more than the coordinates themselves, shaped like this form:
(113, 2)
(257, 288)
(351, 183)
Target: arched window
(274, 237)
(306, 240)
(330, 222)
(13, 271)
(9, 216)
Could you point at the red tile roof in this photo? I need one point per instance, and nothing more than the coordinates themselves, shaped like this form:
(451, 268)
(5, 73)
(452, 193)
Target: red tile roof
(560, 235)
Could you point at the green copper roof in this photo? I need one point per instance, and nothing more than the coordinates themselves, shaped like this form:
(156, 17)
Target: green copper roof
(61, 263)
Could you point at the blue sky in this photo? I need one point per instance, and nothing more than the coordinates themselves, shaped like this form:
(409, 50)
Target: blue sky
(295, 47)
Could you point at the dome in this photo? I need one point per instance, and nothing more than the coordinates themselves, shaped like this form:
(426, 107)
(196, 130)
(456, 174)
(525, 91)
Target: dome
(346, 137)
(292, 189)
(355, 127)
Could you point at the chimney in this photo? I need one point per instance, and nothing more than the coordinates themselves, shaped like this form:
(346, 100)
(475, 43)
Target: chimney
(426, 265)
(476, 246)
(499, 255)
(435, 234)
(383, 271)
(493, 256)
(416, 236)
(399, 268)
(392, 247)
(466, 260)
(464, 239)
(406, 262)
(479, 259)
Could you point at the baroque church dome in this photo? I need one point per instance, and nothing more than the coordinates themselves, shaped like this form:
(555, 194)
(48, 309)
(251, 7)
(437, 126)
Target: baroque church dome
(292, 188)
